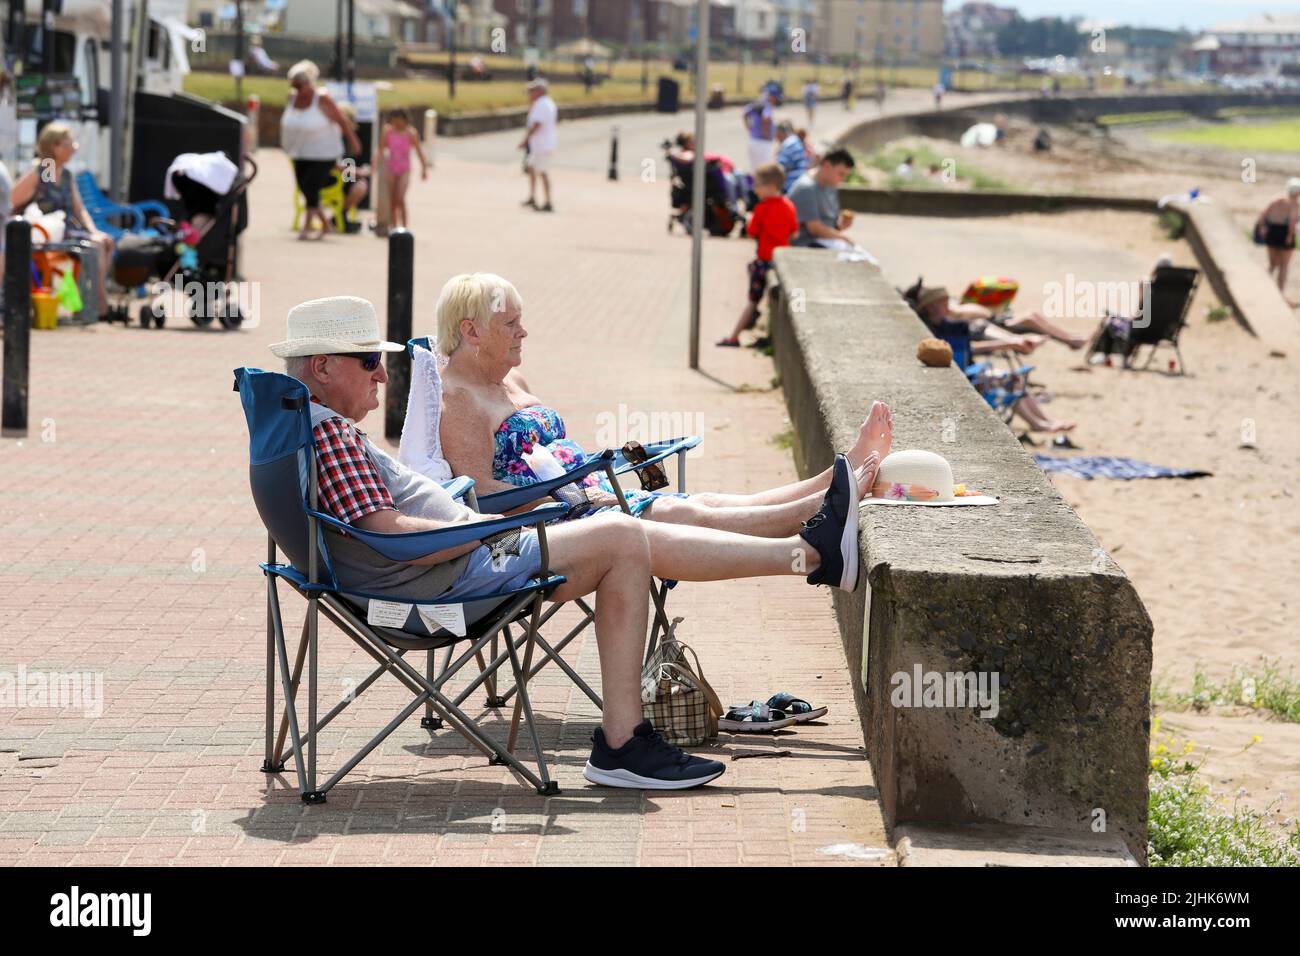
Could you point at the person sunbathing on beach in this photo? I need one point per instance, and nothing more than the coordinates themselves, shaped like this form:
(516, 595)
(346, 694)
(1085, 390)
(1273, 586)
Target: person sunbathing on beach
(943, 315)
(1032, 323)
(492, 424)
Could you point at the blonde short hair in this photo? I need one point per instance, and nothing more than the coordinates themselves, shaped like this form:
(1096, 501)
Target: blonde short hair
(475, 296)
(51, 136)
(305, 69)
(770, 174)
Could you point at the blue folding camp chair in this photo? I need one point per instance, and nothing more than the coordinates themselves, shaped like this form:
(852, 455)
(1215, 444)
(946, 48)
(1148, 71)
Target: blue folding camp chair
(134, 216)
(1001, 389)
(284, 486)
(613, 463)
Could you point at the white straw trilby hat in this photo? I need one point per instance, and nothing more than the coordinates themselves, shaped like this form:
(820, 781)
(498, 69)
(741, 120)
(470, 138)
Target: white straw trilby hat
(336, 325)
(919, 478)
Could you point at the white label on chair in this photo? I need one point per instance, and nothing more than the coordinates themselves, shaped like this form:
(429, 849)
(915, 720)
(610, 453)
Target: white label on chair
(450, 617)
(387, 613)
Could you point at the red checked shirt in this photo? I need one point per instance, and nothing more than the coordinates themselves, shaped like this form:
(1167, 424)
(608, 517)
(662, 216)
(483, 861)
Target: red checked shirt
(350, 486)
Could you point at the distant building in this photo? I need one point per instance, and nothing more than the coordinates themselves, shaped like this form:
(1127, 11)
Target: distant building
(1265, 44)
(971, 30)
(392, 20)
(880, 31)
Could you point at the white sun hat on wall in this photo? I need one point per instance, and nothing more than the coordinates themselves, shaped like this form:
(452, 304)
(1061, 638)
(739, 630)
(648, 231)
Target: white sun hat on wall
(920, 478)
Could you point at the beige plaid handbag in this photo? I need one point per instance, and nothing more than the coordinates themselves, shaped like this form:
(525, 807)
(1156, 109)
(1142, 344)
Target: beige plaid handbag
(675, 697)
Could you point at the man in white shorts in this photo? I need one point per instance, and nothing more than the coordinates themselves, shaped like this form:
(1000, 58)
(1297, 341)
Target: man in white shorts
(539, 140)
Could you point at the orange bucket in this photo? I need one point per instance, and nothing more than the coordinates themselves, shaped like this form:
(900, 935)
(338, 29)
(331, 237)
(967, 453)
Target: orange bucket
(45, 310)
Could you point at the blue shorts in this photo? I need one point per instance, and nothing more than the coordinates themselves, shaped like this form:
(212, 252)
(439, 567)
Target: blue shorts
(482, 576)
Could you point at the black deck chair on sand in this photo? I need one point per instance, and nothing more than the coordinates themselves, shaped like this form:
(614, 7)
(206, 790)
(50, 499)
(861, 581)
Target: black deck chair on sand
(1166, 298)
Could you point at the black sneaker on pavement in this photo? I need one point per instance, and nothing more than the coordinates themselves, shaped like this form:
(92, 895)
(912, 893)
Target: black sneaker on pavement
(547, 208)
(647, 762)
(833, 530)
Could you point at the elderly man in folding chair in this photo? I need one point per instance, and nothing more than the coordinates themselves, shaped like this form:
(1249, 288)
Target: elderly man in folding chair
(334, 349)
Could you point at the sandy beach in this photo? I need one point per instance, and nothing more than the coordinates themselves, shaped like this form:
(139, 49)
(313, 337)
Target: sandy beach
(1209, 556)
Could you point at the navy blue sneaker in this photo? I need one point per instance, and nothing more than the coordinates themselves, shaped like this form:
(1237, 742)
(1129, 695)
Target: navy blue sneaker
(647, 762)
(833, 530)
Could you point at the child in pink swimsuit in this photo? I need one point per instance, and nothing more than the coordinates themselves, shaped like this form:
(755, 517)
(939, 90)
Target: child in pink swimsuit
(399, 139)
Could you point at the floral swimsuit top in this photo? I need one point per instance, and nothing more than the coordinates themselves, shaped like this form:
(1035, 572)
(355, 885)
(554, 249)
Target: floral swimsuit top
(541, 425)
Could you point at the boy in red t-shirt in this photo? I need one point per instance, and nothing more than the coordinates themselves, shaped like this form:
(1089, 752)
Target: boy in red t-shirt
(773, 223)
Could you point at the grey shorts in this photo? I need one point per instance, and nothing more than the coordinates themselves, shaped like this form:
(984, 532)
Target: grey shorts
(517, 558)
(504, 565)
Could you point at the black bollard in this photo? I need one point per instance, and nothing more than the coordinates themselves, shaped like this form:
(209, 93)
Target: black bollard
(18, 326)
(401, 284)
(613, 153)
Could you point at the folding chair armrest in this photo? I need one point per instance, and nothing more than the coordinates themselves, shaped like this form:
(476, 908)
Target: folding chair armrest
(459, 487)
(502, 501)
(412, 545)
(658, 452)
(148, 207)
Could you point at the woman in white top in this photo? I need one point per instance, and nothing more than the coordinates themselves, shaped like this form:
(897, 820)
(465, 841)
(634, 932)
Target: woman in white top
(312, 130)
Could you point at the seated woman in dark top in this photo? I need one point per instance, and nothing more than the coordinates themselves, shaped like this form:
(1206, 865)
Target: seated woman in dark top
(50, 184)
(491, 421)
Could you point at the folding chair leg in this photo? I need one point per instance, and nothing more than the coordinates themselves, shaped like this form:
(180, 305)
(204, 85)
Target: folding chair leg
(379, 738)
(494, 699)
(291, 712)
(312, 795)
(658, 590)
(293, 685)
(521, 679)
(553, 654)
(270, 762)
(548, 786)
(429, 721)
(461, 722)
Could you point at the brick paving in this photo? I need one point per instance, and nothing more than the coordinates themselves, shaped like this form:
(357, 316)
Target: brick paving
(129, 545)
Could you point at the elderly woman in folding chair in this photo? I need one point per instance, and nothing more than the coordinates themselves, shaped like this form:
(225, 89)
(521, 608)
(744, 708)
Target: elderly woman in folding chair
(493, 426)
(335, 350)
(52, 187)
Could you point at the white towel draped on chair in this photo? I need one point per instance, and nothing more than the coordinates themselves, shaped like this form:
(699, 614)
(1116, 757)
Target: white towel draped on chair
(421, 444)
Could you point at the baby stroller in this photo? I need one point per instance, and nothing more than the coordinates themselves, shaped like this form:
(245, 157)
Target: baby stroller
(195, 260)
(723, 188)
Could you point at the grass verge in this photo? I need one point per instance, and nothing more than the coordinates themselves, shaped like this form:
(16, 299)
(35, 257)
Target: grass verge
(1189, 826)
(887, 159)
(1265, 687)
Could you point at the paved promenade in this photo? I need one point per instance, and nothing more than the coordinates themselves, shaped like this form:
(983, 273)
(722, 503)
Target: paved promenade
(129, 545)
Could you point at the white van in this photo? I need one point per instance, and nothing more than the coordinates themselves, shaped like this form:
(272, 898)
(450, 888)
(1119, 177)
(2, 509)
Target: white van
(80, 46)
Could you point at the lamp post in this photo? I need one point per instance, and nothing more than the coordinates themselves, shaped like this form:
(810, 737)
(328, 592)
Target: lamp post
(338, 41)
(351, 70)
(697, 186)
(239, 51)
(451, 63)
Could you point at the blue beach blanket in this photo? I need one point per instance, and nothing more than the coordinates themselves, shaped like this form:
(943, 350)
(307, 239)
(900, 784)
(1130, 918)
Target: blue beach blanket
(1101, 466)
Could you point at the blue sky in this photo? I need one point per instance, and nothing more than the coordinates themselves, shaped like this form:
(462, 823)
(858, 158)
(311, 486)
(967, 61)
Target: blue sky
(1170, 14)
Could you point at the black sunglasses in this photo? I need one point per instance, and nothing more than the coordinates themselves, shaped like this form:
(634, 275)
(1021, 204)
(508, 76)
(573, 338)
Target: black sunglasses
(369, 360)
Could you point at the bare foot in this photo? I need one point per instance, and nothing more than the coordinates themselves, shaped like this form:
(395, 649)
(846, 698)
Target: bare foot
(1057, 427)
(874, 435)
(866, 475)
